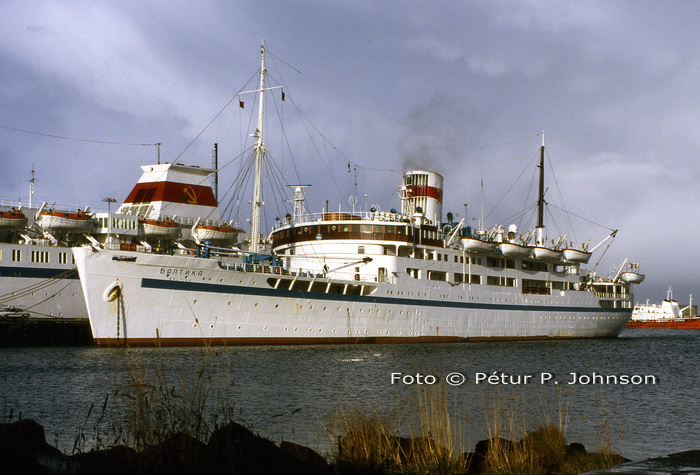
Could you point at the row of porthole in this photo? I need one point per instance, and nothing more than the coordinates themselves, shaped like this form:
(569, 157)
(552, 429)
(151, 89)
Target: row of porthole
(320, 330)
(559, 317)
(301, 307)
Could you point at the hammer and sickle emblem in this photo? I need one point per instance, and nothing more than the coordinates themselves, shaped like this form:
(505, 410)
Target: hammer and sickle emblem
(190, 196)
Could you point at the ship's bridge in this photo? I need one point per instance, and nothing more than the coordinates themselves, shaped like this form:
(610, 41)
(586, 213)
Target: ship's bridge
(371, 226)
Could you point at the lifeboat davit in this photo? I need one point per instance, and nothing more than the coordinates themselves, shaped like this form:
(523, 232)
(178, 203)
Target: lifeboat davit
(167, 228)
(472, 244)
(511, 249)
(546, 254)
(575, 255)
(12, 219)
(64, 221)
(216, 233)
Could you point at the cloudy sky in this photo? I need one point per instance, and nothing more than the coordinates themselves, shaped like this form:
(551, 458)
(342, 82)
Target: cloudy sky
(375, 87)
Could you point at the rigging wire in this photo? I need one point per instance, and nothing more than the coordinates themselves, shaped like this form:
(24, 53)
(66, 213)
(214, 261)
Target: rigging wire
(216, 116)
(63, 137)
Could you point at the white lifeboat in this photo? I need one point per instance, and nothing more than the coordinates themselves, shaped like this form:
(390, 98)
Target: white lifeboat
(576, 255)
(545, 254)
(64, 221)
(511, 249)
(473, 244)
(12, 219)
(216, 233)
(632, 277)
(167, 228)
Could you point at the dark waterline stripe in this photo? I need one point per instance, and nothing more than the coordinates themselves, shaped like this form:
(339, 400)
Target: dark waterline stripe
(265, 292)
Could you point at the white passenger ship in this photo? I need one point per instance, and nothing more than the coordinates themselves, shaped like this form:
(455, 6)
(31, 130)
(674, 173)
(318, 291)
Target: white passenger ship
(394, 277)
(169, 207)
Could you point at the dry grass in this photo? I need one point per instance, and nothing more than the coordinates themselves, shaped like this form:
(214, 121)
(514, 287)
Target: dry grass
(421, 437)
(369, 442)
(154, 404)
(372, 442)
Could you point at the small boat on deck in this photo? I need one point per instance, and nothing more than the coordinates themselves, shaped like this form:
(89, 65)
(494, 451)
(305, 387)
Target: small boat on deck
(216, 233)
(161, 228)
(13, 219)
(80, 221)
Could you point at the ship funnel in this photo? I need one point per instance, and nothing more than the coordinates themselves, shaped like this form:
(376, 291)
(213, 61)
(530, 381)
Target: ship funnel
(422, 190)
(512, 231)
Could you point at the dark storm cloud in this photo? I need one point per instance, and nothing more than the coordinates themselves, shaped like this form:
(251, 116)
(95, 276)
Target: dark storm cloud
(462, 87)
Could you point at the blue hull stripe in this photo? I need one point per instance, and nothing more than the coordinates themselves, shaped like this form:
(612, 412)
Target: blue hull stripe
(298, 294)
(39, 272)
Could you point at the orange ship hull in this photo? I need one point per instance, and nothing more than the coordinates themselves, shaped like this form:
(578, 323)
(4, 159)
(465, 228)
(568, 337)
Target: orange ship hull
(689, 323)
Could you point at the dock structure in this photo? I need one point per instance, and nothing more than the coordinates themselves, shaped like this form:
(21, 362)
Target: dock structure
(20, 329)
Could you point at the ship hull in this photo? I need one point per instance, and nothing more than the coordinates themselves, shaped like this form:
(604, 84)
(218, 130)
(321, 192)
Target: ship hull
(689, 324)
(42, 280)
(183, 300)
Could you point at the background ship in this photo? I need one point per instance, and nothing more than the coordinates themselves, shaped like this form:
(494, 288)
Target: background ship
(171, 206)
(666, 315)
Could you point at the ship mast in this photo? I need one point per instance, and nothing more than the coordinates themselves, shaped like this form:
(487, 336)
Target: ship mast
(259, 151)
(540, 199)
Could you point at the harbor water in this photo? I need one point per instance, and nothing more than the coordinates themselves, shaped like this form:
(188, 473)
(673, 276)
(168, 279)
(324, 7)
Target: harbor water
(638, 391)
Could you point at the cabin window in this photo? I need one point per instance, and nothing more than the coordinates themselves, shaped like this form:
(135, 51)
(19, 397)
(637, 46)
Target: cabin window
(405, 251)
(366, 228)
(501, 281)
(16, 255)
(40, 256)
(437, 275)
(536, 266)
(466, 278)
(538, 287)
(495, 262)
(469, 278)
(360, 249)
(63, 258)
(415, 273)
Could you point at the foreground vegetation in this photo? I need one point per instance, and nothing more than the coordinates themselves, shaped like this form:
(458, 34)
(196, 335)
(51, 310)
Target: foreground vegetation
(161, 422)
